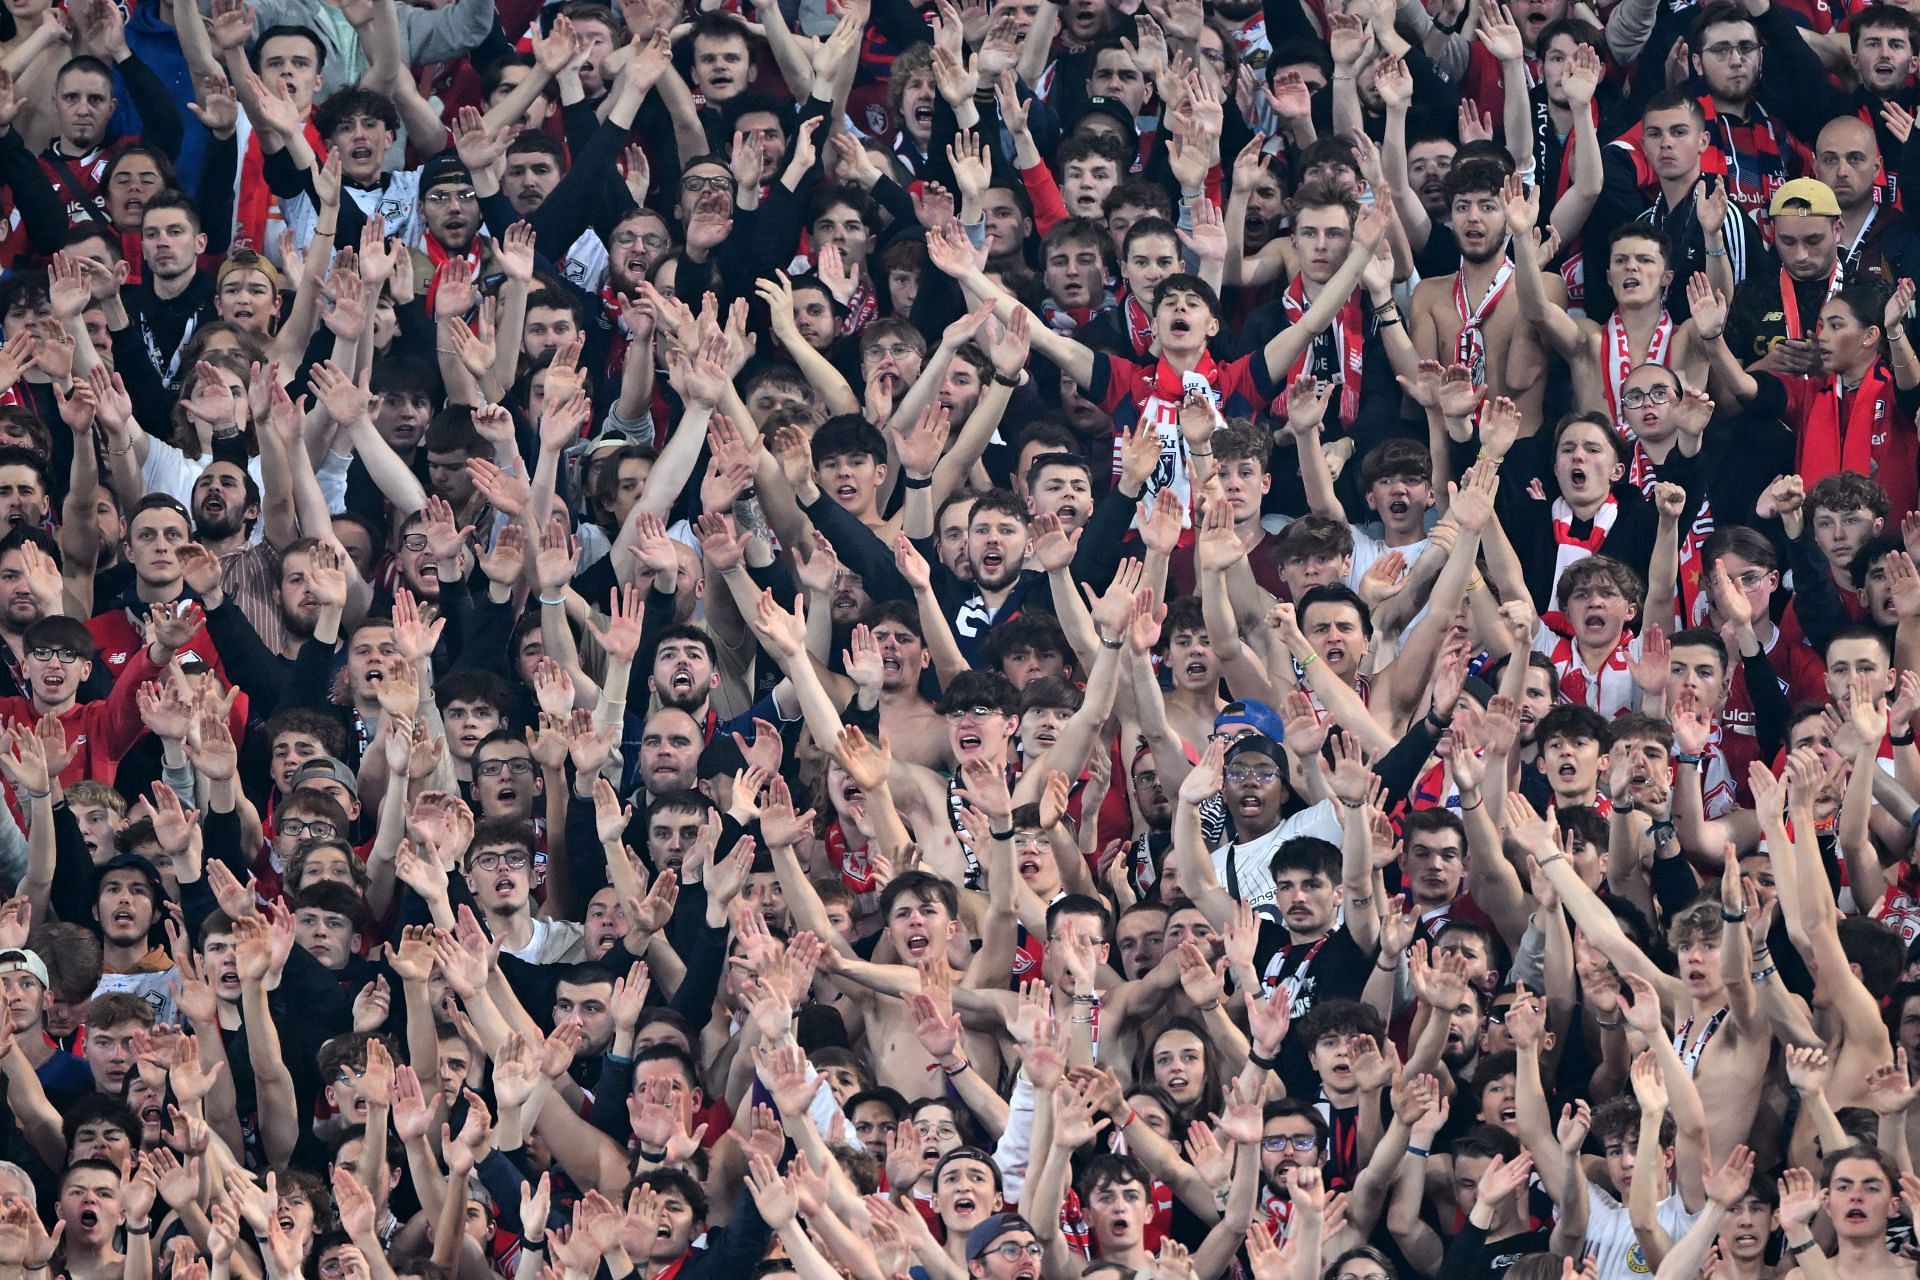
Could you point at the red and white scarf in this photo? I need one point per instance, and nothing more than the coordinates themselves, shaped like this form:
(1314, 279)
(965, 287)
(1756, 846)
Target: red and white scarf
(439, 255)
(1139, 326)
(1610, 690)
(862, 307)
(1570, 548)
(1348, 344)
(1470, 348)
(1618, 354)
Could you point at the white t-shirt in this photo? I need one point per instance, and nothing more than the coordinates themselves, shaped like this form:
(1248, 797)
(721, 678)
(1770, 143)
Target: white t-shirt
(169, 471)
(1610, 1236)
(1253, 857)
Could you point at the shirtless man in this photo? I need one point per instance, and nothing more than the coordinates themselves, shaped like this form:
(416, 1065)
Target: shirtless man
(1862, 1194)
(1467, 318)
(1723, 1036)
(1640, 331)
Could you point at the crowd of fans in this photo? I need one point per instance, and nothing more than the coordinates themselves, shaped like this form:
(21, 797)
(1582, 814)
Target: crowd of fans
(1003, 640)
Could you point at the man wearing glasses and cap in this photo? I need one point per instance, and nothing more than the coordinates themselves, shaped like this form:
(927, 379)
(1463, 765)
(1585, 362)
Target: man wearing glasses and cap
(1003, 1248)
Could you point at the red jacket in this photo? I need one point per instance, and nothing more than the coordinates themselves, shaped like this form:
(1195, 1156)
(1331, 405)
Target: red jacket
(104, 730)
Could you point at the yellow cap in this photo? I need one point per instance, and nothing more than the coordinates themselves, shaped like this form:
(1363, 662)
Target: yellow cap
(1804, 198)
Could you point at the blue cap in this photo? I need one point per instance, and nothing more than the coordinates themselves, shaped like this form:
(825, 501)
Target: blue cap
(988, 1233)
(1255, 715)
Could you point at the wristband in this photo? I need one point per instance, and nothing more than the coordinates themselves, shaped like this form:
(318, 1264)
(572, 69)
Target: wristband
(1422, 1152)
(1261, 1060)
(915, 482)
(966, 1064)
(1662, 831)
(144, 1229)
(555, 603)
(1391, 966)
(1797, 1249)
(1732, 917)
(1001, 835)
(1901, 739)
(31, 794)
(1199, 453)
(536, 1246)
(1600, 1022)
(1309, 660)
(1716, 253)
(1688, 757)
(1117, 643)
(1761, 975)
(1469, 808)
(1208, 1008)
(653, 1157)
(1092, 999)
(1002, 380)
(1132, 1115)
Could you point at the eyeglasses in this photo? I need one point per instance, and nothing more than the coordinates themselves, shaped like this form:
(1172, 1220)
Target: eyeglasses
(654, 240)
(1653, 395)
(332, 1267)
(1751, 578)
(515, 860)
(318, 829)
(47, 653)
(494, 768)
(936, 1131)
(693, 186)
(1146, 778)
(1013, 1250)
(978, 713)
(1278, 1142)
(414, 542)
(898, 350)
(465, 195)
(1727, 48)
(1260, 776)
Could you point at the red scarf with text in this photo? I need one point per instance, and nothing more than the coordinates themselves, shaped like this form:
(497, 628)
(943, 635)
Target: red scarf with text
(1825, 447)
(1348, 344)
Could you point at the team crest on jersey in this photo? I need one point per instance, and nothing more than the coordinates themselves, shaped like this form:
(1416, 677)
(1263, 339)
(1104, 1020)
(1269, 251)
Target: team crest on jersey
(876, 118)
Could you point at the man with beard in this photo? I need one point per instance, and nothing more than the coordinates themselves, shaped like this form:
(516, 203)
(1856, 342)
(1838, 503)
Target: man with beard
(128, 907)
(1465, 318)
(1666, 167)
(450, 217)
(670, 744)
(83, 108)
(172, 299)
(29, 591)
(1728, 56)
(1255, 793)
(683, 677)
(563, 201)
(1874, 237)
(1293, 1135)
